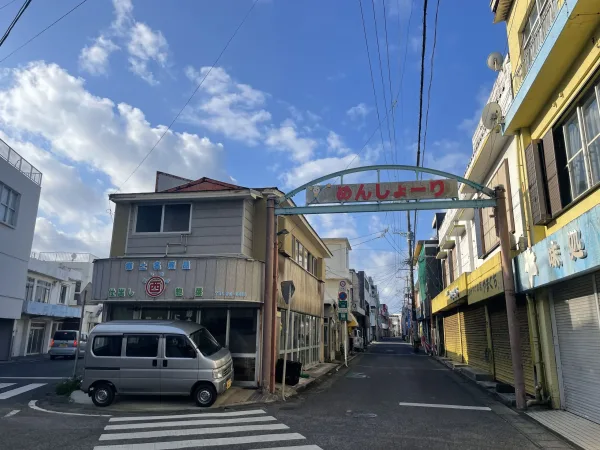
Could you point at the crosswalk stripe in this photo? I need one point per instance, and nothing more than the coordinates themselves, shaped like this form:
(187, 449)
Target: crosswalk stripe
(17, 391)
(204, 442)
(185, 416)
(176, 423)
(294, 447)
(5, 385)
(192, 431)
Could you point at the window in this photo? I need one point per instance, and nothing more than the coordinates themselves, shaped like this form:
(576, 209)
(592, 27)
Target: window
(63, 294)
(142, 346)
(205, 342)
(42, 291)
(163, 218)
(215, 320)
(9, 202)
(107, 345)
(64, 335)
(303, 257)
(29, 289)
(178, 347)
(581, 134)
(242, 330)
(77, 295)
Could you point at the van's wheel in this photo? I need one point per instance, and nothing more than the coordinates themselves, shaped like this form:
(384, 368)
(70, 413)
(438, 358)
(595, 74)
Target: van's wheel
(205, 395)
(103, 394)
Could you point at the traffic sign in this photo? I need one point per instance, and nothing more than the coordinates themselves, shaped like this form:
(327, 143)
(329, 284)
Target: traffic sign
(343, 317)
(342, 284)
(343, 304)
(342, 296)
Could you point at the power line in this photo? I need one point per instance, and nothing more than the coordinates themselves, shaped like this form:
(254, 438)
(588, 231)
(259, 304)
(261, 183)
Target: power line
(7, 4)
(191, 96)
(43, 31)
(14, 21)
(424, 41)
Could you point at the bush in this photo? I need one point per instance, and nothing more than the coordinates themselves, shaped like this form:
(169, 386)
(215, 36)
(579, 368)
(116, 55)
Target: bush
(66, 387)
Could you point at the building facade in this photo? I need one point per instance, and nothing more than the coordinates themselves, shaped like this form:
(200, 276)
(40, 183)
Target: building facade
(195, 251)
(430, 283)
(20, 185)
(337, 271)
(555, 122)
(50, 304)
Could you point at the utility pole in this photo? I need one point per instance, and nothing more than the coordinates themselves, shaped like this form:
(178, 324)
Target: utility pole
(509, 294)
(411, 273)
(267, 356)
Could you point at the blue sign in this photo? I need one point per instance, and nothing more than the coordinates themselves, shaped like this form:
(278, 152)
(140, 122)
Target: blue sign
(143, 266)
(185, 265)
(573, 249)
(129, 265)
(156, 265)
(172, 265)
(342, 296)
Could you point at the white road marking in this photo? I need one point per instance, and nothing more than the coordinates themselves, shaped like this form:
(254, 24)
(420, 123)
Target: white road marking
(204, 442)
(295, 447)
(187, 423)
(12, 413)
(5, 385)
(186, 416)
(17, 391)
(434, 405)
(32, 405)
(192, 431)
(33, 378)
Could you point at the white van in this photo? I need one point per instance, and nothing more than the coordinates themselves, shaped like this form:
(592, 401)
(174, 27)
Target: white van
(155, 357)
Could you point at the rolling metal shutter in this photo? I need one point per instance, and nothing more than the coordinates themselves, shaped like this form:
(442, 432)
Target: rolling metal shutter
(475, 343)
(452, 338)
(578, 330)
(503, 370)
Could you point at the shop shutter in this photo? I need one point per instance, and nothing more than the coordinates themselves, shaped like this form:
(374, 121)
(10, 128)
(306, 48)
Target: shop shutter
(503, 369)
(475, 344)
(535, 182)
(551, 173)
(578, 330)
(452, 338)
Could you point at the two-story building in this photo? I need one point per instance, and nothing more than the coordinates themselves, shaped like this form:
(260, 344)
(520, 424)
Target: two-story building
(430, 282)
(50, 304)
(554, 121)
(337, 271)
(20, 185)
(196, 251)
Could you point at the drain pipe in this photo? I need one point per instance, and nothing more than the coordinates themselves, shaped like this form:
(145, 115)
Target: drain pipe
(538, 373)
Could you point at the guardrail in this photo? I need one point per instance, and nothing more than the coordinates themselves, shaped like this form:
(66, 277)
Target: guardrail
(18, 162)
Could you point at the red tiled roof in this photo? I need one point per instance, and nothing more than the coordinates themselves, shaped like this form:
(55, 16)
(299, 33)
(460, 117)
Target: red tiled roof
(205, 184)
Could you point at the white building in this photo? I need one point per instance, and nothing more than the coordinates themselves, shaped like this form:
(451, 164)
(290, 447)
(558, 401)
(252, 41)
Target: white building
(20, 185)
(49, 305)
(337, 270)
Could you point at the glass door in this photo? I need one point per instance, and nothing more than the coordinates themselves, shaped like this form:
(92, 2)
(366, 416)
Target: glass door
(35, 338)
(243, 344)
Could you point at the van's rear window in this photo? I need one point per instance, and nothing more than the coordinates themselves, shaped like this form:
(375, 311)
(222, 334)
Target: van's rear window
(65, 335)
(107, 345)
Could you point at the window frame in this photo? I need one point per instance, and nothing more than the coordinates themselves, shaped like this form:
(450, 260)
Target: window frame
(30, 289)
(128, 335)
(14, 208)
(540, 10)
(107, 336)
(63, 300)
(162, 219)
(46, 286)
(181, 336)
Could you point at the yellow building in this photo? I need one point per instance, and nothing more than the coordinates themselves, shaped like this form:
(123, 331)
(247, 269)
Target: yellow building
(554, 48)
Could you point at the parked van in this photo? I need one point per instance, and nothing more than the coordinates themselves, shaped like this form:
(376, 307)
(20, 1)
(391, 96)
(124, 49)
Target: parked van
(155, 357)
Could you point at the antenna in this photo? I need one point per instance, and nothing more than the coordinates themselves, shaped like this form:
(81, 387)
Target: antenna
(73, 256)
(494, 61)
(491, 115)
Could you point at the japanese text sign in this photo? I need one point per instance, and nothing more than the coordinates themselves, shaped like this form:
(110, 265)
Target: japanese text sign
(382, 192)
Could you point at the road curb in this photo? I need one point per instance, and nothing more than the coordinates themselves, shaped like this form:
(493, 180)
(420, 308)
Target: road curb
(314, 381)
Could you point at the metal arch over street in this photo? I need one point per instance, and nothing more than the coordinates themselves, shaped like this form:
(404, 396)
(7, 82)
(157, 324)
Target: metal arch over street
(396, 206)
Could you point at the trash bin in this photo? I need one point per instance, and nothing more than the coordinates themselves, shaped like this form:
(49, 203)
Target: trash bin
(292, 372)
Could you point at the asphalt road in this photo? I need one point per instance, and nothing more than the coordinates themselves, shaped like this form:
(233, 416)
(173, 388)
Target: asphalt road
(386, 399)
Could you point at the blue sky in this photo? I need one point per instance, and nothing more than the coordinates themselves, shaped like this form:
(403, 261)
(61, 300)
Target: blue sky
(291, 99)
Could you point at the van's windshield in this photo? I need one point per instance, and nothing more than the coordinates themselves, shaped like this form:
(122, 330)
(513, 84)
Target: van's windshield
(205, 342)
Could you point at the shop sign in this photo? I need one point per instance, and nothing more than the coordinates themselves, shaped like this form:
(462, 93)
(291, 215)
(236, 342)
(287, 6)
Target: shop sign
(486, 287)
(155, 286)
(157, 265)
(573, 249)
(227, 294)
(382, 192)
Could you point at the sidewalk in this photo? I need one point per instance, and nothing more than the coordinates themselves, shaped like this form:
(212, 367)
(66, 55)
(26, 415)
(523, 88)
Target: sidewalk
(235, 396)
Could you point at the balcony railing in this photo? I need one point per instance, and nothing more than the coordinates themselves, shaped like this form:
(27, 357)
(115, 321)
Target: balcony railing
(535, 42)
(20, 163)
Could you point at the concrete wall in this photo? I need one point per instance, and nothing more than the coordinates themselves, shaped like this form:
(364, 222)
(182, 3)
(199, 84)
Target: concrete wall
(217, 228)
(15, 243)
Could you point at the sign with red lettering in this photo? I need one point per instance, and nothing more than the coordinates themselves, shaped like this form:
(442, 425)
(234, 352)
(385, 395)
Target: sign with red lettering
(382, 192)
(155, 286)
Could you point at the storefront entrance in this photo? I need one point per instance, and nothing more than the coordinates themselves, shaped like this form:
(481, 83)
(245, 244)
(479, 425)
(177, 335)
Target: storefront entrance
(233, 327)
(35, 340)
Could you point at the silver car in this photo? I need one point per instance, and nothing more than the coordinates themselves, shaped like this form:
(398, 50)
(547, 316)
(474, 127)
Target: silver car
(65, 342)
(155, 357)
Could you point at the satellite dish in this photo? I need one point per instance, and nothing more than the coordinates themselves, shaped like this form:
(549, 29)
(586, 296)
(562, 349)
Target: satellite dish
(491, 115)
(73, 256)
(494, 61)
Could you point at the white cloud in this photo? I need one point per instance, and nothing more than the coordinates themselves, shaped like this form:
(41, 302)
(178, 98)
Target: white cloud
(335, 225)
(358, 112)
(146, 45)
(228, 107)
(336, 144)
(286, 138)
(123, 14)
(470, 124)
(94, 59)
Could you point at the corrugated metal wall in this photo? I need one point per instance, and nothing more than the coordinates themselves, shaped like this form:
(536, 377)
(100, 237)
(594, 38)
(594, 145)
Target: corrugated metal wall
(452, 337)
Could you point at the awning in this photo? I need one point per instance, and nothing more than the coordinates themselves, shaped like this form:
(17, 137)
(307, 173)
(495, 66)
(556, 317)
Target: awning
(352, 322)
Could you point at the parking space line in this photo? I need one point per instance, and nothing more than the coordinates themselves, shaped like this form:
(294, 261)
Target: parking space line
(434, 405)
(188, 416)
(12, 413)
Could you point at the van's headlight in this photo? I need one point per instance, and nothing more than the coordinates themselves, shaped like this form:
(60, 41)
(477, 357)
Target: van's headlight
(217, 373)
